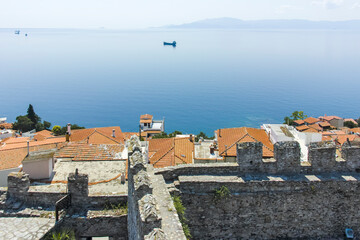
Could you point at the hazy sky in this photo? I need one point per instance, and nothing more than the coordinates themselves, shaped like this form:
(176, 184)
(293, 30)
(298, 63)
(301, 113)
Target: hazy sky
(151, 13)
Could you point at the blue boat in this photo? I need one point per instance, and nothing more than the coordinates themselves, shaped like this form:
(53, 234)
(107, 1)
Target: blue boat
(171, 44)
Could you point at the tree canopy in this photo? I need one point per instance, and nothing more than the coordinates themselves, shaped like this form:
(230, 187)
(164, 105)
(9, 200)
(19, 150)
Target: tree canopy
(30, 121)
(297, 115)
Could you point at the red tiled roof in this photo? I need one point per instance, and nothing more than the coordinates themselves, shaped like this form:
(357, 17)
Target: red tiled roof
(146, 118)
(6, 125)
(341, 139)
(324, 124)
(127, 135)
(12, 157)
(231, 136)
(14, 140)
(302, 128)
(329, 118)
(101, 135)
(90, 152)
(315, 126)
(355, 130)
(350, 120)
(310, 130)
(164, 152)
(311, 120)
(299, 122)
(56, 140)
(42, 135)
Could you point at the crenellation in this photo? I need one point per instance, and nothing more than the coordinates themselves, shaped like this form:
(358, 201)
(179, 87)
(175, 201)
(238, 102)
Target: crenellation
(149, 214)
(287, 155)
(249, 156)
(78, 188)
(142, 184)
(322, 157)
(351, 154)
(156, 234)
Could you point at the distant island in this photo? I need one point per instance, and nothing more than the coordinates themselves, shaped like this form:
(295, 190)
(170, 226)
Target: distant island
(233, 23)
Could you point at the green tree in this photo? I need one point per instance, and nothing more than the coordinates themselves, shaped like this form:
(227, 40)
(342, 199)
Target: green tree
(73, 127)
(350, 124)
(173, 134)
(202, 135)
(23, 123)
(297, 115)
(32, 115)
(160, 135)
(56, 130)
(47, 125)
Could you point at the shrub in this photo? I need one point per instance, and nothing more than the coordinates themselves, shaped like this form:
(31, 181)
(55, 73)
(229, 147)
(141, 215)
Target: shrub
(180, 209)
(221, 193)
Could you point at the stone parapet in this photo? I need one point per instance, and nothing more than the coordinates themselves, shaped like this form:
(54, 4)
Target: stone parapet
(78, 188)
(322, 157)
(249, 155)
(149, 214)
(18, 184)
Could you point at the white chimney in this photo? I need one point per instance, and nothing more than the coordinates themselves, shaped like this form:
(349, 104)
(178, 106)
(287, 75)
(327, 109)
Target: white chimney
(69, 128)
(113, 134)
(28, 148)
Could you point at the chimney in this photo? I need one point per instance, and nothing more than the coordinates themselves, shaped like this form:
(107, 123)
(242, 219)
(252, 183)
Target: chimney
(191, 138)
(219, 132)
(113, 133)
(28, 148)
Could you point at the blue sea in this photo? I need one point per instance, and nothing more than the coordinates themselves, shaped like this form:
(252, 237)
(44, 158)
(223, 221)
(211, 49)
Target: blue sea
(212, 79)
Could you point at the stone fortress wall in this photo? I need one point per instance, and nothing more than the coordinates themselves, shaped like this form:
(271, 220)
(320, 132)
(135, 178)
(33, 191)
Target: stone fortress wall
(280, 198)
(145, 218)
(254, 198)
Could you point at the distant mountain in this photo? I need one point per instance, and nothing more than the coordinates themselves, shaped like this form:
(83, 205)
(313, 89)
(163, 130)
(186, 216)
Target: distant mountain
(234, 23)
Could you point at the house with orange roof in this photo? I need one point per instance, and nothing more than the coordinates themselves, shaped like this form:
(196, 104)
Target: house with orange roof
(302, 128)
(150, 127)
(227, 139)
(13, 155)
(354, 130)
(351, 120)
(299, 122)
(165, 152)
(335, 121)
(102, 135)
(311, 120)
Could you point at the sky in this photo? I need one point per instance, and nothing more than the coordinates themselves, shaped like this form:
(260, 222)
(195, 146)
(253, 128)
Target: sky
(137, 14)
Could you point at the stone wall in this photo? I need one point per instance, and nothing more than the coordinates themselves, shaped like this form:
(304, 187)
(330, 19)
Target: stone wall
(112, 227)
(286, 160)
(144, 220)
(260, 209)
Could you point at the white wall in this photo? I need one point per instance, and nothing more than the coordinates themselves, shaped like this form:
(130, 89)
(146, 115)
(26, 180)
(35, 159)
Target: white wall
(4, 174)
(38, 169)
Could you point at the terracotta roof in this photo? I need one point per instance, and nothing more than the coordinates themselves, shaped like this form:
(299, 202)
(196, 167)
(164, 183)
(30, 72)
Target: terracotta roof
(12, 158)
(341, 139)
(14, 140)
(56, 140)
(302, 128)
(6, 125)
(310, 130)
(355, 130)
(316, 126)
(42, 135)
(324, 124)
(146, 118)
(90, 152)
(127, 135)
(329, 118)
(164, 152)
(326, 138)
(350, 120)
(299, 122)
(231, 136)
(311, 120)
(101, 135)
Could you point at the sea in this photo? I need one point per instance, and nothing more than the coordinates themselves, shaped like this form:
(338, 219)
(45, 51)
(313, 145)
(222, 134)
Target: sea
(212, 79)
